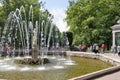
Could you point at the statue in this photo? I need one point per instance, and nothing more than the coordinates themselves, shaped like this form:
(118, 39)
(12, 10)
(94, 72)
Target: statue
(34, 42)
(34, 45)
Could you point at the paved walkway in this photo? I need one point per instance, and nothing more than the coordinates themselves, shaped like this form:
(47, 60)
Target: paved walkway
(113, 56)
(112, 76)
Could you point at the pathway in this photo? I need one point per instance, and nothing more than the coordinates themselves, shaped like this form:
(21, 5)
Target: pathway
(113, 76)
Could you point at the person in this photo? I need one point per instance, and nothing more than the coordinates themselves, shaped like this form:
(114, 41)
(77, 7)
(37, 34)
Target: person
(96, 48)
(84, 48)
(93, 48)
(103, 47)
(118, 48)
(5, 49)
(113, 49)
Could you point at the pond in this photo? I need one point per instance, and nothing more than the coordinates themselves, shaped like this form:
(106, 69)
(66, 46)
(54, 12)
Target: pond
(82, 66)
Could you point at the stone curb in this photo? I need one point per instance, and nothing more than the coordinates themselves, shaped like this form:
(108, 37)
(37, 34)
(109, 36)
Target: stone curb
(100, 72)
(97, 73)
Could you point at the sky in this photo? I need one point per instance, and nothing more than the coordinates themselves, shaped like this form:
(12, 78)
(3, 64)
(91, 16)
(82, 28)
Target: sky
(57, 8)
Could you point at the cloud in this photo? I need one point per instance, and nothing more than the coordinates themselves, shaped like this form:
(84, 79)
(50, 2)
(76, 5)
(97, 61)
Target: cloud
(59, 16)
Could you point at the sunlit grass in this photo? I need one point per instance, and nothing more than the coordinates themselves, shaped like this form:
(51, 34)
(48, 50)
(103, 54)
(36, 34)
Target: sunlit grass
(86, 65)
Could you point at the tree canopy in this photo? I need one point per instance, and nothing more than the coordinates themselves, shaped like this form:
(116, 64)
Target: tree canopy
(90, 20)
(8, 6)
(22, 12)
(11, 5)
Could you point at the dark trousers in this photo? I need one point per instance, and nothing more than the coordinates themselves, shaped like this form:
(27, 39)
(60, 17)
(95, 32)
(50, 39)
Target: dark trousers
(118, 53)
(4, 54)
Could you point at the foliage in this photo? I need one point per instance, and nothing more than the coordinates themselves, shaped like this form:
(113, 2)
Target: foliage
(90, 20)
(11, 5)
(70, 37)
(8, 6)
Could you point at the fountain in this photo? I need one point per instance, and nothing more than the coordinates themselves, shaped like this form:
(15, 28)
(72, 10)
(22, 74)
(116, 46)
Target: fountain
(33, 43)
(35, 50)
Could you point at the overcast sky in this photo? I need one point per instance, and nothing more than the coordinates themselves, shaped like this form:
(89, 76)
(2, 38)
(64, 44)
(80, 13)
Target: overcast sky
(57, 8)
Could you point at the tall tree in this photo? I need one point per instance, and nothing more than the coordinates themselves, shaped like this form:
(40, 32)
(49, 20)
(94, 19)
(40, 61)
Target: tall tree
(90, 20)
(11, 5)
(32, 9)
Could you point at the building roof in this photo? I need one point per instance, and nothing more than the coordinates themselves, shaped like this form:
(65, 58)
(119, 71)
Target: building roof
(116, 27)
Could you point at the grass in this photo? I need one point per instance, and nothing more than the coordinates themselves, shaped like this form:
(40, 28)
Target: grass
(84, 66)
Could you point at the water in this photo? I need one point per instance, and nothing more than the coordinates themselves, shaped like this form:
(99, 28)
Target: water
(68, 60)
(50, 73)
(7, 64)
(29, 39)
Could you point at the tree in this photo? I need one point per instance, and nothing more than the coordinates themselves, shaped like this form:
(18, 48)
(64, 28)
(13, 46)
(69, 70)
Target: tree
(90, 20)
(28, 13)
(11, 5)
(70, 37)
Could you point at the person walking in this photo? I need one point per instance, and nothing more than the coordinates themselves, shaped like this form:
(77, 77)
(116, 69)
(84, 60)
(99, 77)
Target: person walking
(96, 48)
(118, 48)
(103, 47)
(5, 49)
(114, 49)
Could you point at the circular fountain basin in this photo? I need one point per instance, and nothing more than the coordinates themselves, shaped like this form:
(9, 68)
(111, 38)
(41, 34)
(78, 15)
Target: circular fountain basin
(52, 70)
